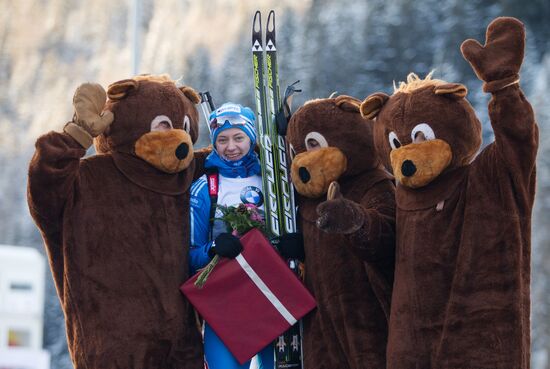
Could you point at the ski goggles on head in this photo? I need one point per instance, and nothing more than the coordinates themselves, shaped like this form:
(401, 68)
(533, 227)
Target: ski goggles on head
(234, 120)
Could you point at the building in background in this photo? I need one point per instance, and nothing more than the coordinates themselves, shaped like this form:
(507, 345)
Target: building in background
(22, 285)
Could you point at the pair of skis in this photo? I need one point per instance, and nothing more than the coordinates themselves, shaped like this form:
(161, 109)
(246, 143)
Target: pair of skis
(280, 210)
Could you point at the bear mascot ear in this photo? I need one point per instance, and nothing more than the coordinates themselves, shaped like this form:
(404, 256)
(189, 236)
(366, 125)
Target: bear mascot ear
(348, 103)
(119, 90)
(452, 90)
(372, 105)
(191, 94)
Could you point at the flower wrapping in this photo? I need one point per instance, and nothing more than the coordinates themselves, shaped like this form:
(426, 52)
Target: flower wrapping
(252, 299)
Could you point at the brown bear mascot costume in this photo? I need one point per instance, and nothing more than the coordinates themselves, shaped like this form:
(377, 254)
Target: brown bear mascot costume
(116, 224)
(461, 292)
(333, 143)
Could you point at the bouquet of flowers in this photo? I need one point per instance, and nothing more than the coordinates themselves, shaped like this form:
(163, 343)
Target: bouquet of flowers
(238, 220)
(242, 218)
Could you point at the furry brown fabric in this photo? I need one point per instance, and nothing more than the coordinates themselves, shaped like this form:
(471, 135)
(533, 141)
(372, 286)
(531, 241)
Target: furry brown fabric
(496, 63)
(349, 327)
(461, 292)
(116, 233)
(338, 214)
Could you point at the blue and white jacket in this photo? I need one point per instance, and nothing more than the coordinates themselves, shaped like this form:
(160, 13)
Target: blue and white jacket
(231, 191)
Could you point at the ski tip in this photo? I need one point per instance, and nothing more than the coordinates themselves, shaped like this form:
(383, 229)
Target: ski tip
(271, 21)
(257, 23)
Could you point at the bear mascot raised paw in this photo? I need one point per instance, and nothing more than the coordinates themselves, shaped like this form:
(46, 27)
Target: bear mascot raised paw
(116, 224)
(348, 239)
(462, 273)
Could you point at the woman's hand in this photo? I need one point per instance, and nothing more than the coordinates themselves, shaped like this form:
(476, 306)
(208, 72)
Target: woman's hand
(226, 245)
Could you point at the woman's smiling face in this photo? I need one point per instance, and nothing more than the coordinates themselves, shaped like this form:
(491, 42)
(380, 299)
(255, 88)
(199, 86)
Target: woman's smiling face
(232, 144)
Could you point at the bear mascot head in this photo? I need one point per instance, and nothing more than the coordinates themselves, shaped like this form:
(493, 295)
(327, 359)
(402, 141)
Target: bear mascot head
(328, 140)
(418, 109)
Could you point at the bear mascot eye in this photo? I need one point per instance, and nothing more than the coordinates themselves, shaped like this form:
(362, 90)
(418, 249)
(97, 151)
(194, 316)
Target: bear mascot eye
(394, 141)
(315, 140)
(186, 124)
(422, 132)
(161, 123)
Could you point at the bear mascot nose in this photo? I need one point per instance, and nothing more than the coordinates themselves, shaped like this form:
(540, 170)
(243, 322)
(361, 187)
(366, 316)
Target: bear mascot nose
(408, 168)
(304, 174)
(181, 151)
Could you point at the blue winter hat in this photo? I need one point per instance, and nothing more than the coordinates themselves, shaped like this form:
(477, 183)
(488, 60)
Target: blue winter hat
(231, 115)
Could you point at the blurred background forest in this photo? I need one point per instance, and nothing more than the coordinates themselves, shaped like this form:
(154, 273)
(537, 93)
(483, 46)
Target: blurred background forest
(49, 47)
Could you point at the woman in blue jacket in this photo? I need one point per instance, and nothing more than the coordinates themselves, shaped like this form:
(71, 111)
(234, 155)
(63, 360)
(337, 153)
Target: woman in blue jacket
(239, 181)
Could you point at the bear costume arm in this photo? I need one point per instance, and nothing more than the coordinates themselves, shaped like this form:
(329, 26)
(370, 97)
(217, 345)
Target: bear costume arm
(497, 63)
(53, 171)
(54, 166)
(200, 156)
(374, 241)
(368, 225)
(372, 237)
(516, 133)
